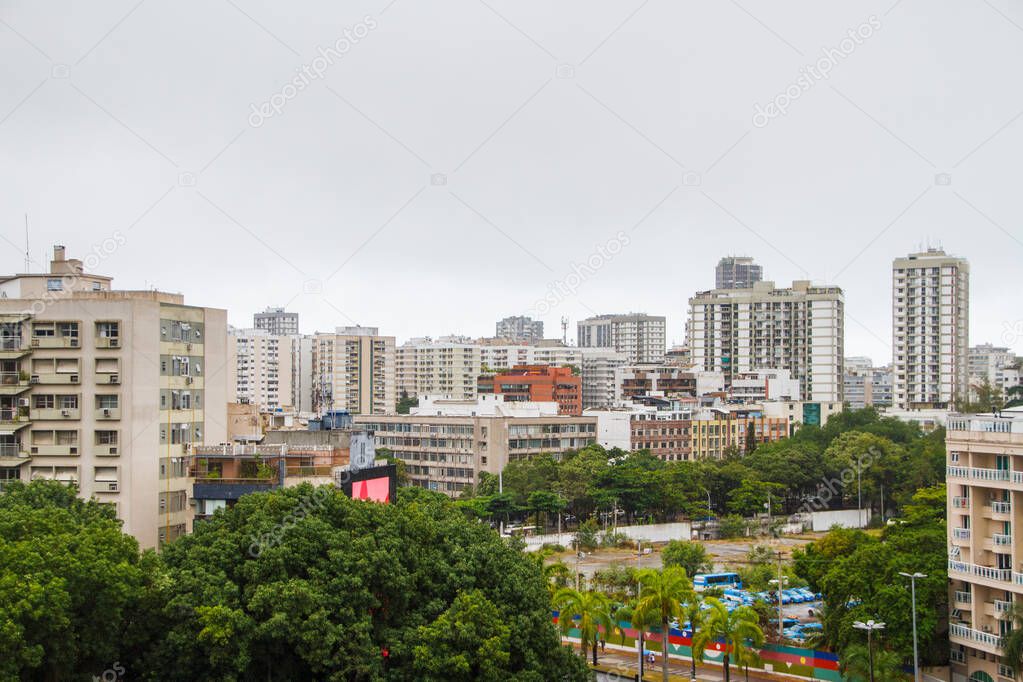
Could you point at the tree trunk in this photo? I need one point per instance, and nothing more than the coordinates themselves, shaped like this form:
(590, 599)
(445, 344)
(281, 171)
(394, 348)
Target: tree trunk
(595, 640)
(728, 670)
(664, 651)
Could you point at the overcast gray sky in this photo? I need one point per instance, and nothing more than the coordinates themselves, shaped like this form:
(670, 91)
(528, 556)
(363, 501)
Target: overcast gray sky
(446, 163)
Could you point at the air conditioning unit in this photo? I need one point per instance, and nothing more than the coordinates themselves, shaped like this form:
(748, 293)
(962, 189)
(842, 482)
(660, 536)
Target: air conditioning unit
(115, 378)
(35, 343)
(22, 402)
(113, 449)
(188, 346)
(74, 342)
(106, 412)
(65, 413)
(114, 343)
(34, 379)
(74, 450)
(112, 486)
(74, 378)
(188, 380)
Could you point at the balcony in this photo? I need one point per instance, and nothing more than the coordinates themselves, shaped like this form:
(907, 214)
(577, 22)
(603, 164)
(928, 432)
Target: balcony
(957, 472)
(961, 533)
(54, 342)
(13, 418)
(979, 474)
(963, 632)
(1004, 575)
(11, 348)
(1001, 540)
(55, 413)
(13, 454)
(13, 383)
(1002, 607)
(960, 503)
(1002, 507)
(963, 597)
(107, 413)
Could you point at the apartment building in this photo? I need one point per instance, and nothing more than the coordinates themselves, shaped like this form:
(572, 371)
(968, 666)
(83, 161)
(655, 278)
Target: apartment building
(536, 383)
(260, 369)
(276, 321)
(716, 430)
(985, 564)
(445, 444)
(632, 381)
(737, 272)
(998, 366)
(447, 367)
(107, 388)
(598, 372)
(865, 385)
(930, 330)
(640, 336)
(800, 329)
(763, 384)
(519, 328)
(353, 369)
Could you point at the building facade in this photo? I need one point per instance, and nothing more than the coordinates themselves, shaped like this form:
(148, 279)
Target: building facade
(985, 564)
(447, 368)
(276, 321)
(107, 389)
(536, 383)
(640, 336)
(519, 328)
(800, 329)
(930, 330)
(446, 444)
(598, 370)
(260, 369)
(737, 272)
(998, 366)
(353, 369)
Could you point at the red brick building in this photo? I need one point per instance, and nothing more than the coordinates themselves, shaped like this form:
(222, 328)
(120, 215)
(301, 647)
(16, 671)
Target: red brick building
(537, 383)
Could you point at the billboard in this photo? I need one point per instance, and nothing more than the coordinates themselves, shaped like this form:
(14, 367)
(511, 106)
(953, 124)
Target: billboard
(373, 484)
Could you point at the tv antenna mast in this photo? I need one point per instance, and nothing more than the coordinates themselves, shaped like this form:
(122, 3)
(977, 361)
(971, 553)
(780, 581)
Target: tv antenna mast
(564, 330)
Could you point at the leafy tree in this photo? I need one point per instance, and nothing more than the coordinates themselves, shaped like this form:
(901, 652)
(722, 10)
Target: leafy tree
(737, 630)
(72, 593)
(856, 664)
(751, 438)
(405, 403)
(661, 594)
(752, 495)
(304, 583)
(1012, 645)
(617, 581)
(588, 611)
(469, 641)
(692, 609)
(586, 536)
(733, 526)
(691, 556)
(546, 503)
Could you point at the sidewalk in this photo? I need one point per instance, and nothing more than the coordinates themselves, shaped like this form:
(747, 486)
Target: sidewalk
(624, 661)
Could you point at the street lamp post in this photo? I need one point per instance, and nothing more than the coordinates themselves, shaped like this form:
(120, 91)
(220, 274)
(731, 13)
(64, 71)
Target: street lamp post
(912, 586)
(859, 499)
(869, 626)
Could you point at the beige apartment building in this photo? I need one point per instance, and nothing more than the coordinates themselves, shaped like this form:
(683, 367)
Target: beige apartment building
(985, 564)
(260, 369)
(445, 444)
(442, 367)
(354, 369)
(930, 330)
(106, 389)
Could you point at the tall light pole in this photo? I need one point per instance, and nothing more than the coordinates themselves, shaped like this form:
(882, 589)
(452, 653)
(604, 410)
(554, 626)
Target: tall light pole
(869, 626)
(912, 586)
(859, 498)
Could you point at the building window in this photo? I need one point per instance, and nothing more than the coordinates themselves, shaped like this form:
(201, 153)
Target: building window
(54, 284)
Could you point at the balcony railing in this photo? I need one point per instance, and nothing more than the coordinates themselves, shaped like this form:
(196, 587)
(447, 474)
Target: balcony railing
(999, 574)
(957, 472)
(1002, 606)
(979, 474)
(968, 633)
(960, 503)
(961, 533)
(1017, 578)
(12, 450)
(1001, 539)
(963, 597)
(1003, 507)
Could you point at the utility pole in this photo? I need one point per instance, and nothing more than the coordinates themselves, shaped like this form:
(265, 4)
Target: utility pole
(859, 498)
(912, 583)
(780, 583)
(869, 626)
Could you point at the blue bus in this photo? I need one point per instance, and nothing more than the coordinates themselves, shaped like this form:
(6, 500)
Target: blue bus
(702, 581)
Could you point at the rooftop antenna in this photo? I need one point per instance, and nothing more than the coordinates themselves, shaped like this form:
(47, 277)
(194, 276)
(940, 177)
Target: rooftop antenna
(564, 330)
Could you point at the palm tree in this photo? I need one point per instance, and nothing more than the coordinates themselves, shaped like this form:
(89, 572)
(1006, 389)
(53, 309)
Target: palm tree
(693, 611)
(1012, 643)
(856, 664)
(661, 594)
(556, 575)
(592, 609)
(737, 631)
